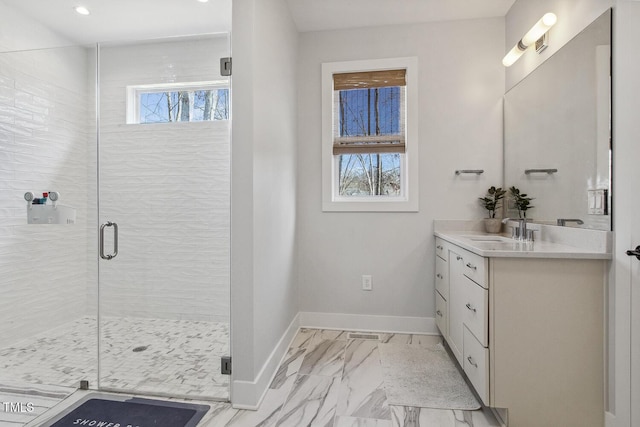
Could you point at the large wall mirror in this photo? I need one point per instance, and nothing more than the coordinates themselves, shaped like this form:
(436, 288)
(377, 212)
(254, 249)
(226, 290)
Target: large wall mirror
(558, 132)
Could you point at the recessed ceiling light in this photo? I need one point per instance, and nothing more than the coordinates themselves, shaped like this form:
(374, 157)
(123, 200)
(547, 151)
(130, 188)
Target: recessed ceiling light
(203, 1)
(82, 10)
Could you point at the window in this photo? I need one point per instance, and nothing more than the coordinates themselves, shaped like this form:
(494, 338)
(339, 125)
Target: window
(170, 103)
(369, 135)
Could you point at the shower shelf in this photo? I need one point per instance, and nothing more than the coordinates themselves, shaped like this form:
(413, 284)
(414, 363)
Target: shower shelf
(49, 214)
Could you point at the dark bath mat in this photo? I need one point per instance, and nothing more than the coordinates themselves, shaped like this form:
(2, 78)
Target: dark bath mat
(134, 412)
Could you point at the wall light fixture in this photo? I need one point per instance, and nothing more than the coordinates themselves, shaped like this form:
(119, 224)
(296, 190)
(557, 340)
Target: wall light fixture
(536, 32)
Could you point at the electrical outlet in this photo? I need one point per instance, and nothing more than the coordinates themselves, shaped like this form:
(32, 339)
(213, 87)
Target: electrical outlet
(367, 283)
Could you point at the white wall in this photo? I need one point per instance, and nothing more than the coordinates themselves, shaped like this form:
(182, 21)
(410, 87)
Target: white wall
(461, 84)
(265, 295)
(44, 129)
(168, 188)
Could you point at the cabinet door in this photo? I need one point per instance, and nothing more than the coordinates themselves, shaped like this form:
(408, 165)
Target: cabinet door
(476, 268)
(457, 301)
(442, 315)
(476, 365)
(442, 277)
(442, 249)
(476, 316)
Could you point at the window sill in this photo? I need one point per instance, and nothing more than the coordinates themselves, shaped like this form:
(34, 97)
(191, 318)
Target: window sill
(368, 205)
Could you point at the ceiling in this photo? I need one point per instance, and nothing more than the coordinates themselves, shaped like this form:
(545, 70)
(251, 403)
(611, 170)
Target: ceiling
(120, 20)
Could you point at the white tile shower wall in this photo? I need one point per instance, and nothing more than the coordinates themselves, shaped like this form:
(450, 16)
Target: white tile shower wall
(43, 142)
(168, 188)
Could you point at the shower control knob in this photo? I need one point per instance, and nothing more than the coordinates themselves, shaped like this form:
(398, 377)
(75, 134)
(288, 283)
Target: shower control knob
(54, 195)
(28, 196)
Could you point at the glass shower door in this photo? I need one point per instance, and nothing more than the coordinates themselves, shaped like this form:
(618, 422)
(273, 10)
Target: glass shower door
(47, 255)
(164, 209)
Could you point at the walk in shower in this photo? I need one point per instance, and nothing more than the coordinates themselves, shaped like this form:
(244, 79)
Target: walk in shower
(124, 283)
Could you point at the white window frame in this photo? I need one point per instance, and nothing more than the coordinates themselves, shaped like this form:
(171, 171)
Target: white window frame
(134, 92)
(408, 200)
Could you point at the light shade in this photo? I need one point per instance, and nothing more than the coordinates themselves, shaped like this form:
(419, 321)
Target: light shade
(513, 55)
(82, 10)
(537, 31)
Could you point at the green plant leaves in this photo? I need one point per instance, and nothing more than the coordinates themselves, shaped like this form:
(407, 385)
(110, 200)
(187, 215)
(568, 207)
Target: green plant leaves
(492, 200)
(521, 200)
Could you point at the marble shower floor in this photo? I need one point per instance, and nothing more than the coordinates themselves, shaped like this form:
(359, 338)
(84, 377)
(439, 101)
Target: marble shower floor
(182, 357)
(329, 380)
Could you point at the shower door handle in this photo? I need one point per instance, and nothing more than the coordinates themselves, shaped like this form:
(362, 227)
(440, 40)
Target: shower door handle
(115, 240)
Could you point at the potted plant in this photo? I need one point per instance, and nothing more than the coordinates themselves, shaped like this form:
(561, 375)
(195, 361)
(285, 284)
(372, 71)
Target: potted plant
(521, 201)
(492, 201)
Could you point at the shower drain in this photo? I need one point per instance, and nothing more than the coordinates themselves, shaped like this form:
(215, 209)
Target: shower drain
(140, 348)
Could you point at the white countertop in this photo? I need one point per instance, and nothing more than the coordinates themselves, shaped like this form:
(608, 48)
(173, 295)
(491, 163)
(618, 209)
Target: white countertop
(495, 245)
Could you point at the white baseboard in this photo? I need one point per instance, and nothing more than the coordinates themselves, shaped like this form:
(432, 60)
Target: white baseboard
(364, 322)
(609, 420)
(249, 394)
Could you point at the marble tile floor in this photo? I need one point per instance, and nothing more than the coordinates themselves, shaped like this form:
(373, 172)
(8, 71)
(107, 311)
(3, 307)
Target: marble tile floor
(329, 380)
(181, 357)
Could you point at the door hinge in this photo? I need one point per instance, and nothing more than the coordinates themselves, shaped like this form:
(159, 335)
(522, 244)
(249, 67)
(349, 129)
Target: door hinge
(225, 66)
(225, 365)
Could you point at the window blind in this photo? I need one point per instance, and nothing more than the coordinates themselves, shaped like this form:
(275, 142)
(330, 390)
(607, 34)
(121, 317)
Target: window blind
(379, 103)
(369, 79)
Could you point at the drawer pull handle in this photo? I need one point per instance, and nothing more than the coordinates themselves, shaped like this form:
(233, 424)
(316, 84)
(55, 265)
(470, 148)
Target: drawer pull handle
(439, 313)
(471, 362)
(471, 266)
(439, 247)
(439, 276)
(471, 308)
(458, 257)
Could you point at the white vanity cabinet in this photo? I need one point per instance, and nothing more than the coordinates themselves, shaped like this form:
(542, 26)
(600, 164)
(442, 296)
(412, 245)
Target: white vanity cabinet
(528, 331)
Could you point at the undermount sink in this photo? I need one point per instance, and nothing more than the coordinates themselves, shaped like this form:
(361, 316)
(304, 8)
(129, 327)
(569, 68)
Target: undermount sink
(488, 239)
(502, 245)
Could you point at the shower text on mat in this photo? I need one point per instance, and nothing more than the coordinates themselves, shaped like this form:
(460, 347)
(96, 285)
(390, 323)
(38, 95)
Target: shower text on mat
(96, 423)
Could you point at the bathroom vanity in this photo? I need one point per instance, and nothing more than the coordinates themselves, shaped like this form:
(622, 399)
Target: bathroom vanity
(525, 321)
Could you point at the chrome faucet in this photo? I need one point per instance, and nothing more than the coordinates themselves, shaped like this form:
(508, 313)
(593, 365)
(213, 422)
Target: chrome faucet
(563, 221)
(521, 234)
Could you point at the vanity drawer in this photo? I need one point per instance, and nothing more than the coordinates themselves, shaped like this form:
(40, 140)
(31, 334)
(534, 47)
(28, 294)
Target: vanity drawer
(475, 268)
(442, 277)
(476, 310)
(442, 315)
(441, 249)
(476, 365)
